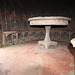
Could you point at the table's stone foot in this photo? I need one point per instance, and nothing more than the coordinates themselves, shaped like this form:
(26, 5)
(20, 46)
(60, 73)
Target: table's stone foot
(47, 44)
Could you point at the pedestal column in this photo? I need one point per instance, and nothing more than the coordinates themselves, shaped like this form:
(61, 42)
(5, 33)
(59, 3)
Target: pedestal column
(47, 36)
(47, 42)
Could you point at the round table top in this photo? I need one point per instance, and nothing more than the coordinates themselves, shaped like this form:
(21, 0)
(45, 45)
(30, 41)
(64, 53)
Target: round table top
(51, 20)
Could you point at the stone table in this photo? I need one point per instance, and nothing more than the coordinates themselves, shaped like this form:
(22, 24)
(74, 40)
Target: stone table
(48, 22)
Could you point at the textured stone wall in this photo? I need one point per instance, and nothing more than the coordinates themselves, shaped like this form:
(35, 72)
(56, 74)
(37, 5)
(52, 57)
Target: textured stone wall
(40, 35)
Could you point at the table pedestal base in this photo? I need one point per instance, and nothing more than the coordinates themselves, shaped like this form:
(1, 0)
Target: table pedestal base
(47, 44)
